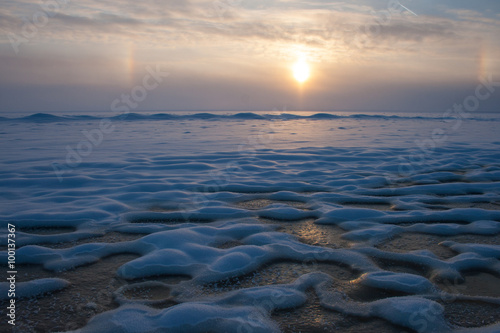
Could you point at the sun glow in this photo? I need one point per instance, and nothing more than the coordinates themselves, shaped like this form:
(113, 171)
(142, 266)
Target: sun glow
(301, 71)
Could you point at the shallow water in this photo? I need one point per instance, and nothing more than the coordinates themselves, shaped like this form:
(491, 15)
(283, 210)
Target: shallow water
(217, 209)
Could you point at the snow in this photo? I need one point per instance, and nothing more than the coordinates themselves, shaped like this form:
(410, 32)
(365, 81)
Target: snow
(408, 283)
(33, 288)
(492, 251)
(232, 311)
(419, 314)
(179, 182)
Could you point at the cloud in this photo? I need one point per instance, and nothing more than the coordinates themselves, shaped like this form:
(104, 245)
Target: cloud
(102, 22)
(311, 23)
(234, 47)
(416, 32)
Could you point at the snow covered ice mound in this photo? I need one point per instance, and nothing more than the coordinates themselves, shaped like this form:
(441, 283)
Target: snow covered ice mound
(143, 235)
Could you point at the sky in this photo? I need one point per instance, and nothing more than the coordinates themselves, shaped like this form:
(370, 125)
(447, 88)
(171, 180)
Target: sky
(89, 55)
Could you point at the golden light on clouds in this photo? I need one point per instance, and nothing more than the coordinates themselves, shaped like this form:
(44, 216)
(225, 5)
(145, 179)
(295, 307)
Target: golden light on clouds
(322, 52)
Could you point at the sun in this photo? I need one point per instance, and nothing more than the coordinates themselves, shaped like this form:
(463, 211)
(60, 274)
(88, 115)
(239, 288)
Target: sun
(301, 71)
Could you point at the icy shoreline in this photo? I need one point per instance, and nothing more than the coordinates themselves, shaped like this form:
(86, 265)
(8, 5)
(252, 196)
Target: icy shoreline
(273, 221)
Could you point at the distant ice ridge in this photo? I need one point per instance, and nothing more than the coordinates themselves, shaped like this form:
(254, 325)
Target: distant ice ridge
(45, 117)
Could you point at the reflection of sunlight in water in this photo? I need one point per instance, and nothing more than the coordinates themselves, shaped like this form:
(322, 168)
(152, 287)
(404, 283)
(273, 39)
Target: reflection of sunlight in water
(313, 234)
(305, 230)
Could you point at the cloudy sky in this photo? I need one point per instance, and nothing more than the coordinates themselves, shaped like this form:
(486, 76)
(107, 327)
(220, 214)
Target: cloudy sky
(67, 55)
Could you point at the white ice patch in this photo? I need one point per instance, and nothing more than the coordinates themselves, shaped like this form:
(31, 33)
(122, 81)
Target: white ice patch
(33, 288)
(285, 213)
(336, 216)
(439, 269)
(249, 310)
(246, 310)
(483, 250)
(189, 317)
(374, 233)
(419, 314)
(403, 282)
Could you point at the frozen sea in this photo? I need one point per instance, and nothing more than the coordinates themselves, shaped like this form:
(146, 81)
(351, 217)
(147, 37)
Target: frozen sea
(252, 221)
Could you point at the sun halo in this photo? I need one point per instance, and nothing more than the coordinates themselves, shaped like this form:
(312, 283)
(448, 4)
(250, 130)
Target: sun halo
(301, 71)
